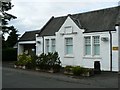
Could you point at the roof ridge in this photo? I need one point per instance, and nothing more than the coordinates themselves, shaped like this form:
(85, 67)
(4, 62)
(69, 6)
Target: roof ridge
(92, 11)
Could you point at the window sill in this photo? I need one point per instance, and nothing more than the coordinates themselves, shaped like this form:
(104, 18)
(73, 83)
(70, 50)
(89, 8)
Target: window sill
(92, 57)
(68, 56)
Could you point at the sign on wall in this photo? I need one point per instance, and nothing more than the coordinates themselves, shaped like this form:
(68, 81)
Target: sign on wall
(114, 48)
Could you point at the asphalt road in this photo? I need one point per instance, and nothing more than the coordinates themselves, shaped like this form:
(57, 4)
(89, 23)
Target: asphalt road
(16, 78)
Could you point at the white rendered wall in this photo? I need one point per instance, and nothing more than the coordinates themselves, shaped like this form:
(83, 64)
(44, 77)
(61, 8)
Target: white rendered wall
(39, 46)
(20, 49)
(104, 56)
(115, 52)
(78, 57)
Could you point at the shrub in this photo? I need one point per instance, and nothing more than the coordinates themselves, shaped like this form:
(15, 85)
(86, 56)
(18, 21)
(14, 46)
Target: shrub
(48, 61)
(23, 59)
(77, 70)
(68, 68)
(32, 64)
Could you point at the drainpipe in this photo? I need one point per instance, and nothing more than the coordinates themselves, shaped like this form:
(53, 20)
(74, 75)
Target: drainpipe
(110, 50)
(43, 43)
(119, 48)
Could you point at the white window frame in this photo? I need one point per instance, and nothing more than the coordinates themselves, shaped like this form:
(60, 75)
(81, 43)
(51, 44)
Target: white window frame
(96, 43)
(86, 44)
(92, 46)
(66, 53)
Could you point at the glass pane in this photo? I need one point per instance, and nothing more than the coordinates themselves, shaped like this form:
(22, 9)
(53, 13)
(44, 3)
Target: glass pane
(97, 49)
(96, 40)
(88, 50)
(69, 49)
(53, 41)
(53, 48)
(69, 41)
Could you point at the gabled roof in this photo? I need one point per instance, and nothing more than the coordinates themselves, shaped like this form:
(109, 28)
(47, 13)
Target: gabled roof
(52, 26)
(93, 21)
(29, 36)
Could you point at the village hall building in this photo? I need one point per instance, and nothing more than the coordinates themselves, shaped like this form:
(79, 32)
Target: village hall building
(80, 39)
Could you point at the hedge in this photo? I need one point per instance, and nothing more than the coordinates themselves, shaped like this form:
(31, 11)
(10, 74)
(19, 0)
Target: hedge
(9, 54)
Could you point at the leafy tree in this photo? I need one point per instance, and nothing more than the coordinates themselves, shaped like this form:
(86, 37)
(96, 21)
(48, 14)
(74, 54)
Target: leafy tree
(5, 18)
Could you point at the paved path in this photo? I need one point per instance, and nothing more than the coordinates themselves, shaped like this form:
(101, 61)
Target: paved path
(17, 78)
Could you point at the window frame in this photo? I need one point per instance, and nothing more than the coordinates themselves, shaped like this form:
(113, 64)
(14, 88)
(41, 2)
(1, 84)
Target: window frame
(90, 44)
(94, 44)
(66, 51)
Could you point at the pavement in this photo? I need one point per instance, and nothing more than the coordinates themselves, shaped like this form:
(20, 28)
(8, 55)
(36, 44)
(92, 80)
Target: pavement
(105, 79)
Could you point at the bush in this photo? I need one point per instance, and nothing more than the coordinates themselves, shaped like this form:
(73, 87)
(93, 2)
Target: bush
(32, 64)
(77, 70)
(23, 60)
(68, 68)
(9, 54)
(48, 61)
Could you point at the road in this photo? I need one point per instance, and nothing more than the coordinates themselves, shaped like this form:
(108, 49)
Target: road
(16, 78)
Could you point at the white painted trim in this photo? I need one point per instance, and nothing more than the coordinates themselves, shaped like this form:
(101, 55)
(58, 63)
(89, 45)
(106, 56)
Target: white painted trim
(27, 42)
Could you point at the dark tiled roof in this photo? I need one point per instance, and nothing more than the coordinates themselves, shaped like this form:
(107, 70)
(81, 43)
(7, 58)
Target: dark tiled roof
(93, 21)
(99, 20)
(29, 36)
(52, 26)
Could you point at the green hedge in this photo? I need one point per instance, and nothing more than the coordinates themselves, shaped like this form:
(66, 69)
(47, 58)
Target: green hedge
(9, 54)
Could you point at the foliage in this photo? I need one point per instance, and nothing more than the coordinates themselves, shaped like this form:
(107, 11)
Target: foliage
(5, 18)
(9, 54)
(6, 6)
(68, 68)
(32, 64)
(12, 38)
(48, 61)
(77, 70)
(23, 60)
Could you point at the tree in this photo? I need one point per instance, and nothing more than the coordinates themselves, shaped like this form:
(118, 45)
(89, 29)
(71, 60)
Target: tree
(12, 38)
(6, 17)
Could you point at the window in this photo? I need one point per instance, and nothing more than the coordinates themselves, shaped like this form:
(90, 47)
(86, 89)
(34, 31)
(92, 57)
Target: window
(92, 45)
(53, 45)
(96, 42)
(47, 45)
(68, 29)
(87, 45)
(68, 46)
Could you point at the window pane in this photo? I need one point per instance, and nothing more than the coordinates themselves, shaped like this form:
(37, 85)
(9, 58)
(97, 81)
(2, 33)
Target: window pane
(69, 49)
(96, 49)
(69, 41)
(88, 50)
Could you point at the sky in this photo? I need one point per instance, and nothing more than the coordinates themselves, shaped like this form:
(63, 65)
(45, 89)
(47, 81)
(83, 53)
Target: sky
(34, 14)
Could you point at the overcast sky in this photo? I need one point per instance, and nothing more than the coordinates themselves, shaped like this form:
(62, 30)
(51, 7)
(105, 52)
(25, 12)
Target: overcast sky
(33, 14)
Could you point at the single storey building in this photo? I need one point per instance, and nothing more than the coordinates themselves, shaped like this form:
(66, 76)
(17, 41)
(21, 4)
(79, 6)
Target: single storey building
(80, 39)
